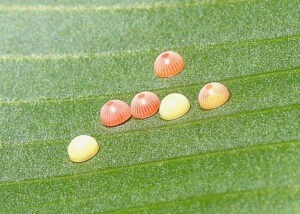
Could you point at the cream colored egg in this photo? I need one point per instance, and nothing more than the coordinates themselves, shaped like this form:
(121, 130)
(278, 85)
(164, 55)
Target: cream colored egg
(174, 106)
(82, 148)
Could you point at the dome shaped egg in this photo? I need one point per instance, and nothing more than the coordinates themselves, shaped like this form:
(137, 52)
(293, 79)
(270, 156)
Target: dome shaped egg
(213, 95)
(144, 104)
(82, 148)
(174, 106)
(115, 112)
(168, 64)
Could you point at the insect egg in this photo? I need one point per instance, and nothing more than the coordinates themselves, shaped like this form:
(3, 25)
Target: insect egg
(115, 112)
(82, 148)
(174, 106)
(213, 95)
(144, 104)
(168, 64)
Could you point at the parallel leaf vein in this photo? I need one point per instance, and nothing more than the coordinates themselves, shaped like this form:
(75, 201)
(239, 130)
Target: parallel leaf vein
(212, 196)
(92, 97)
(113, 8)
(140, 51)
(184, 123)
(269, 145)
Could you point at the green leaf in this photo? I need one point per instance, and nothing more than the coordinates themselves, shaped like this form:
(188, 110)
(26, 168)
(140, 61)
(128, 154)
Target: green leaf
(60, 62)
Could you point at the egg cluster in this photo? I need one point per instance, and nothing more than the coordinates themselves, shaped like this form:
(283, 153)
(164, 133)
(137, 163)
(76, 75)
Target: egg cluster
(146, 104)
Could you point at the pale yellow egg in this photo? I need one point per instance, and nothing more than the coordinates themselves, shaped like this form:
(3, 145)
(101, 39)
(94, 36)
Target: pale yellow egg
(82, 148)
(174, 106)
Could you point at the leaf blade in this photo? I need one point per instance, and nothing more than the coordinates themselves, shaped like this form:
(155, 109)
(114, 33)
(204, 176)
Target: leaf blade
(60, 63)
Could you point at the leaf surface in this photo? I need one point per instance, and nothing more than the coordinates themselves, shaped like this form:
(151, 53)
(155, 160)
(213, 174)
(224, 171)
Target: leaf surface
(60, 62)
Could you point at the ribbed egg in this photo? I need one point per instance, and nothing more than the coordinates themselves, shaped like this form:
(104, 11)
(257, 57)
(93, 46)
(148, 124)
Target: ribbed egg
(144, 104)
(82, 148)
(168, 64)
(115, 112)
(213, 95)
(174, 106)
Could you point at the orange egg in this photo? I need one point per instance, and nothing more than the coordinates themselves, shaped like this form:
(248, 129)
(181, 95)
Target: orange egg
(115, 112)
(213, 95)
(144, 104)
(168, 64)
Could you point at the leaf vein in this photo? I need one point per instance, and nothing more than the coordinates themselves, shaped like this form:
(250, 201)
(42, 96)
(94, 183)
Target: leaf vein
(140, 51)
(19, 102)
(113, 8)
(269, 145)
(122, 133)
(211, 196)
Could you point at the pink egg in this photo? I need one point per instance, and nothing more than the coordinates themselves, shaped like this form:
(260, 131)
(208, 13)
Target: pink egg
(144, 104)
(115, 112)
(168, 64)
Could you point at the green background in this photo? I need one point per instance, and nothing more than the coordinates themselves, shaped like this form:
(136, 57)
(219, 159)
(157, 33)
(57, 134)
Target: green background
(60, 61)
